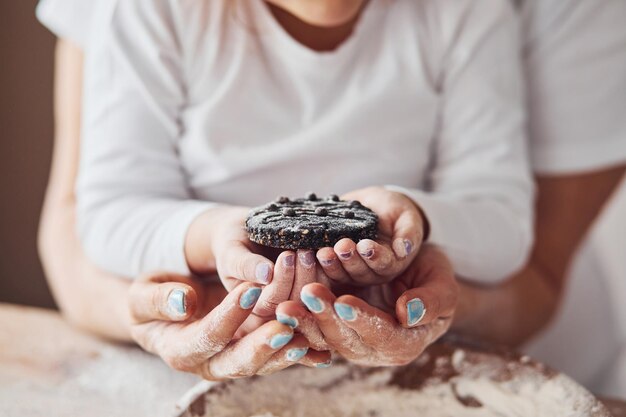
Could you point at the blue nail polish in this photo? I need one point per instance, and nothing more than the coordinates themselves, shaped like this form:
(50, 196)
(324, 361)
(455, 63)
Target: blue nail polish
(294, 355)
(288, 320)
(262, 273)
(324, 364)
(345, 312)
(408, 247)
(249, 298)
(313, 303)
(415, 311)
(176, 302)
(368, 253)
(280, 340)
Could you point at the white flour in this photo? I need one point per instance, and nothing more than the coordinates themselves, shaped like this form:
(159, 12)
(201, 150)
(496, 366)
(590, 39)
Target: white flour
(476, 385)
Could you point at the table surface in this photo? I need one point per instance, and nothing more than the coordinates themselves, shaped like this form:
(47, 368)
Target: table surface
(48, 368)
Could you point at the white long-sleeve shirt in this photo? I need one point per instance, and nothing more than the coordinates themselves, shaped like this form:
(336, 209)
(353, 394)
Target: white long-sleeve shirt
(188, 104)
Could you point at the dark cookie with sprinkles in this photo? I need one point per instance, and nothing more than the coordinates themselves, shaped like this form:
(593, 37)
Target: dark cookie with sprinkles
(310, 222)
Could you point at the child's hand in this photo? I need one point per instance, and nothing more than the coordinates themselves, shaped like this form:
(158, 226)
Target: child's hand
(198, 328)
(401, 230)
(217, 242)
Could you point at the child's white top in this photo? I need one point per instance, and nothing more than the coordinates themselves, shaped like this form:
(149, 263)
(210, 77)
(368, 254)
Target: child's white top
(191, 102)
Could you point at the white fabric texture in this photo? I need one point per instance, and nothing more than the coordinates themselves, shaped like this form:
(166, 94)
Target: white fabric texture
(187, 102)
(576, 69)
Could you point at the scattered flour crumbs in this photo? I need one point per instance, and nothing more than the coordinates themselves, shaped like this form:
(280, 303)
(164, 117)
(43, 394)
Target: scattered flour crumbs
(469, 387)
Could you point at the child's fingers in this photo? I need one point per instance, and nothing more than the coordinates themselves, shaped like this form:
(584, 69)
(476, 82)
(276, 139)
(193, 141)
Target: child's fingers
(408, 233)
(246, 356)
(171, 301)
(239, 263)
(306, 272)
(280, 287)
(331, 266)
(353, 264)
(379, 258)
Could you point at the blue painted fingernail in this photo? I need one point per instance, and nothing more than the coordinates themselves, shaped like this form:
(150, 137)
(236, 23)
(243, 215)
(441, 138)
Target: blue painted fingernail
(295, 354)
(415, 311)
(280, 340)
(345, 312)
(324, 364)
(345, 255)
(307, 259)
(288, 320)
(262, 273)
(289, 261)
(249, 298)
(408, 246)
(311, 302)
(176, 302)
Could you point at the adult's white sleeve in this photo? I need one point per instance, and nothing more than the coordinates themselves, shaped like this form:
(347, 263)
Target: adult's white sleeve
(575, 58)
(134, 205)
(68, 19)
(479, 204)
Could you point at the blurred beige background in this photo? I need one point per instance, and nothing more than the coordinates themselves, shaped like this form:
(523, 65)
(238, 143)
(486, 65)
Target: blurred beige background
(26, 52)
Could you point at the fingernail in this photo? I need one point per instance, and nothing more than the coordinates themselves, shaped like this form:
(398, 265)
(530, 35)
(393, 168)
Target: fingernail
(262, 273)
(176, 302)
(324, 364)
(415, 311)
(326, 262)
(345, 312)
(345, 255)
(280, 340)
(294, 355)
(288, 320)
(249, 298)
(289, 261)
(368, 253)
(307, 259)
(408, 247)
(311, 302)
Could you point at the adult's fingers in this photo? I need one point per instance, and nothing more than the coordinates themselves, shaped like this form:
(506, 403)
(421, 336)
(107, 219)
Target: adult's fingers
(282, 360)
(185, 346)
(437, 293)
(408, 234)
(295, 315)
(170, 301)
(246, 356)
(237, 263)
(319, 300)
(280, 287)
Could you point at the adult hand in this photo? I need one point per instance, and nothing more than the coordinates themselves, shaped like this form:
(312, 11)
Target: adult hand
(194, 328)
(424, 298)
(401, 230)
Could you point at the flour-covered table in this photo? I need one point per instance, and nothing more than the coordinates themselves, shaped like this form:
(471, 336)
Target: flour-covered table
(48, 368)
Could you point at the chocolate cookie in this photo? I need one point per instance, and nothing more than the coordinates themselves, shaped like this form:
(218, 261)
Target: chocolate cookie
(310, 222)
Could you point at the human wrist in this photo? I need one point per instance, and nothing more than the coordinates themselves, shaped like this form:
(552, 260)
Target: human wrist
(203, 235)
